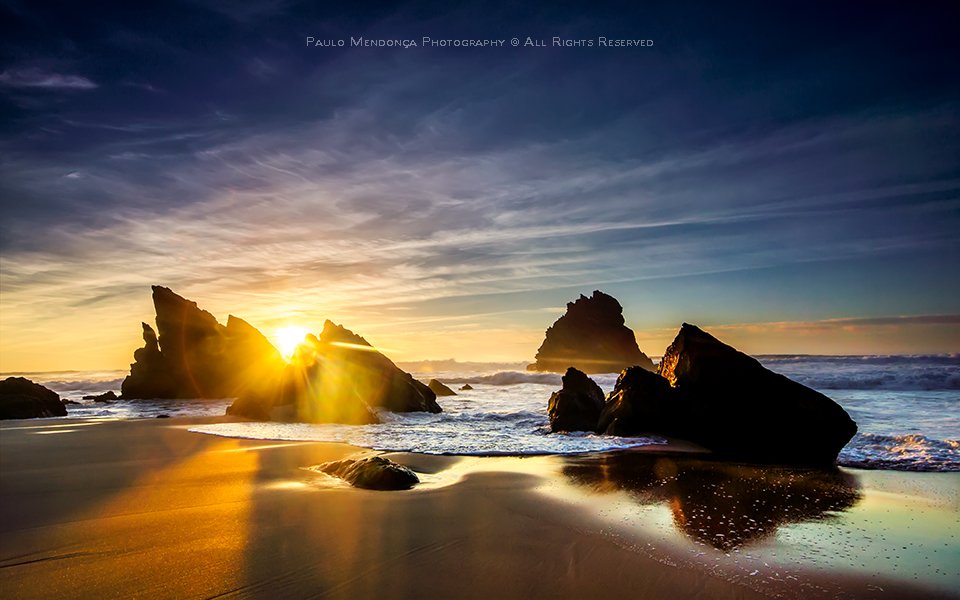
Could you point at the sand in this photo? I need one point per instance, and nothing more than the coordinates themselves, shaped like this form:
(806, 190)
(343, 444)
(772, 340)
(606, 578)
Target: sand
(145, 508)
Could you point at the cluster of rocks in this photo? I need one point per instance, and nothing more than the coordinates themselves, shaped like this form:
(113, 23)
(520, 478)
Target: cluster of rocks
(591, 336)
(707, 392)
(335, 377)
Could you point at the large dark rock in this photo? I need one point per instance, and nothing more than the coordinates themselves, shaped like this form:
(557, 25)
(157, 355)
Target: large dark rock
(724, 400)
(592, 337)
(641, 402)
(337, 377)
(577, 406)
(439, 389)
(21, 398)
(194, 356)
(150, 374)
(374, 473)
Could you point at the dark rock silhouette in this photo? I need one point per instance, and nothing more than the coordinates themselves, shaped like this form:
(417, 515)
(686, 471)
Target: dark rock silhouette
(439, 389)
(104, 397)
(577, 406)
(641, 402)
(724, 400)
(337, 377)
(723, 505)
(465, 387)
(150, 374)
(194, 356)
(374, 473)
(592, 337)
(21, 398)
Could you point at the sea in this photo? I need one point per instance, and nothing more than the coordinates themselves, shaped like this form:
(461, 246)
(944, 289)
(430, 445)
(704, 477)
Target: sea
(907, 409)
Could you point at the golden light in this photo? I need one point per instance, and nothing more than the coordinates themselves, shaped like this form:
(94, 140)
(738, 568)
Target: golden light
(286, 339)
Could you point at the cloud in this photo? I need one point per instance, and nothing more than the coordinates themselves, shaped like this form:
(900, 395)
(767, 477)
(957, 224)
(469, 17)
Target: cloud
(37, 78)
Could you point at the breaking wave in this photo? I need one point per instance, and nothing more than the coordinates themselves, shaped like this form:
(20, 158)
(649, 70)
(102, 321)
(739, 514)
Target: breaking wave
(909, 452)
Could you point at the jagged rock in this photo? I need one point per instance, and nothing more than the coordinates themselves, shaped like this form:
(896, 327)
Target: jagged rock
(577, 406)
(726, 401)
(373, 473)
(104, 397)
(194, 356)
(150, 374)
(21, 398)
(439, 389)
(466, 387)
(641, 402)
(337, 377)
(592, 337)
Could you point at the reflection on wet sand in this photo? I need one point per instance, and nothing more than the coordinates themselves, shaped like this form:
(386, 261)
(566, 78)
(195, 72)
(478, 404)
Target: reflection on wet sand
(723, 505)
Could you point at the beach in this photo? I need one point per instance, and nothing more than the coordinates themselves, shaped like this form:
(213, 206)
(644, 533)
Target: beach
(147, 508)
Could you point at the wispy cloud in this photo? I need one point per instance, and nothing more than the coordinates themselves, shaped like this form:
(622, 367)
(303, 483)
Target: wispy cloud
(38, 78)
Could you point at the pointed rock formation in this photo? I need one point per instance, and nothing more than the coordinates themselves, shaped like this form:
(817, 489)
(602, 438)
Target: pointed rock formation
(195, 356)
(592, 337)
(150, 374)
(709, 393)
(439, 389)
(577, 406)
(338, 377)
(21, 398)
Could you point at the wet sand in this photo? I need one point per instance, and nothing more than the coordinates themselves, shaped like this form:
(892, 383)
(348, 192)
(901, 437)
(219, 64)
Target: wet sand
(145, 508)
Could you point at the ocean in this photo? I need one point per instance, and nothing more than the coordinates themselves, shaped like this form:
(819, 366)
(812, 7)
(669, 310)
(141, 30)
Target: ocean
(907, 409)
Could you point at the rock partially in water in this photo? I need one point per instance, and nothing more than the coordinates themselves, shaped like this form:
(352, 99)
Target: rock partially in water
(373, 473)
(337, 377)
(713, 395)
(21, 398)
(592, 337)
(577, 406)
(440, 389)
(466, 387)
(104, 397)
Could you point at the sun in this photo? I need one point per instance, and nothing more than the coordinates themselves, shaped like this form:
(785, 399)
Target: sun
(288, 338)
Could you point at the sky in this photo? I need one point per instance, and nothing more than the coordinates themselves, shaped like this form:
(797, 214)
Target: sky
(787, 176)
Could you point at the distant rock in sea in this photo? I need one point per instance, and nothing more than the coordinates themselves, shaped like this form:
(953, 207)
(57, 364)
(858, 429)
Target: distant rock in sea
(711, 394)
(577, 406)
(373, 473)
(104, 397)
(592, 337)
(21, 398)
(466, 387)
(439, 389)
(337, 377)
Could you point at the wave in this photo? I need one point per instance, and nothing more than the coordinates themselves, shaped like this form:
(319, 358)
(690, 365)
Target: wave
(907, 452)
(508, 378)
(890, 380)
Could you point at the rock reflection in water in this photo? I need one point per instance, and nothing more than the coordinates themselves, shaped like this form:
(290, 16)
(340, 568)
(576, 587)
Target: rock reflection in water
(723, 505)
